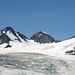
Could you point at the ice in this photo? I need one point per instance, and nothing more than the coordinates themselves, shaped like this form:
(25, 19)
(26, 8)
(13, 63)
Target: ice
(32, 63)
(59, 61)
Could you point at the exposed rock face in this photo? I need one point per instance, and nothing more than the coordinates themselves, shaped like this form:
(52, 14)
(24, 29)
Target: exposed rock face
(8, 34)
(42, 37)
(71, 37)
(8, 46)
(22, 36)
(56, 41)
(4, 38)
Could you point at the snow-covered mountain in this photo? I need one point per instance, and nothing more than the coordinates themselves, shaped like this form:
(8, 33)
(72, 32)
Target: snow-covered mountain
(26, 57)
(8, 34)
(42, 37)
(46, 43)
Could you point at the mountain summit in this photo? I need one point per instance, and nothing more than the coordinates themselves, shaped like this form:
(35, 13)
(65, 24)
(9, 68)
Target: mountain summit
(8, 34)
(42, 37)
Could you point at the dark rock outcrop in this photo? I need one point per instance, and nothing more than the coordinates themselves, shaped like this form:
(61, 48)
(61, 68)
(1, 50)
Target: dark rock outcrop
(71, 52)
(42, 37)
(71, 37)
(56, 41)
(8, 46)
(4, 38)
(22, 36)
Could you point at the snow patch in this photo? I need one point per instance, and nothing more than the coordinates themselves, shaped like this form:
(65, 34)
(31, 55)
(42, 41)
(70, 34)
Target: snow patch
(11, 36)
(3, 31)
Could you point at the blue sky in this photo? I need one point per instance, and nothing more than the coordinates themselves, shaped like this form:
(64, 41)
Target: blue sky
(56, 17)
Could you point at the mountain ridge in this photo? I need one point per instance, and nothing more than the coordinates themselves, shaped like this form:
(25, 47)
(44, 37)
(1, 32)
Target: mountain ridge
(16, 36)
(9, 34)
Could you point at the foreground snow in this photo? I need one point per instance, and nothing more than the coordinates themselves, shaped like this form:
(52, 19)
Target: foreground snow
(53, 49)
(62, 63)
(33, 64)
(6, 71)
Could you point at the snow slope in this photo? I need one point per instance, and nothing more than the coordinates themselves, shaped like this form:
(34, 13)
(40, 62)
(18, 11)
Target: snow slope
(53, 49)
(13, 63)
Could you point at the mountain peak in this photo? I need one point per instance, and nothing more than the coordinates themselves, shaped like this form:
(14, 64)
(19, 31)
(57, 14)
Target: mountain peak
(42, 37)
(8, 34)
(41, 32)
(8, 28)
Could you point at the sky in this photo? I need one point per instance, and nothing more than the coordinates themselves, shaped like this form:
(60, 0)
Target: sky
(56, 17)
